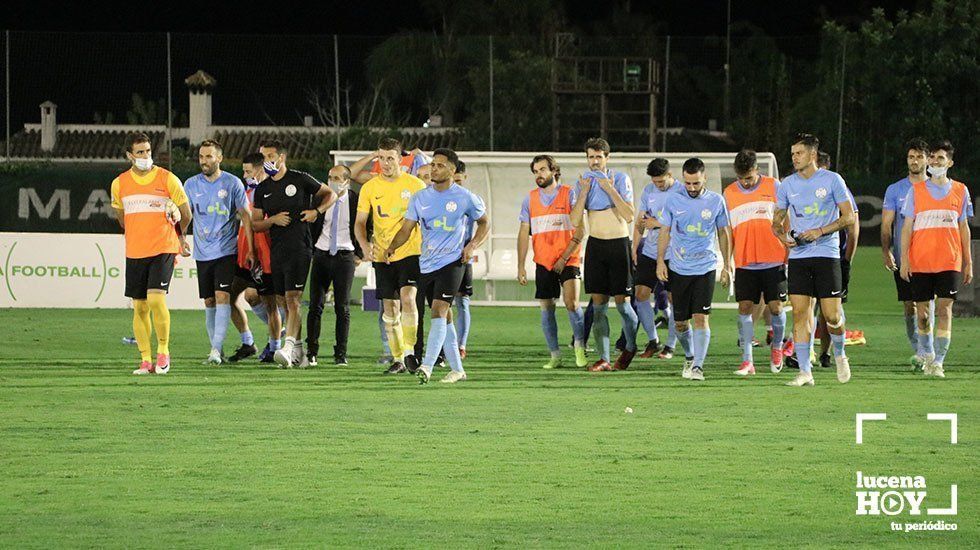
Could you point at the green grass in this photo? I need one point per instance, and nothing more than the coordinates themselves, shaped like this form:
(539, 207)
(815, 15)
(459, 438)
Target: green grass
(248, 456)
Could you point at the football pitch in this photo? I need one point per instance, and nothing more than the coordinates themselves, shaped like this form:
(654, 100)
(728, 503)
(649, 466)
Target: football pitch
(245, 455)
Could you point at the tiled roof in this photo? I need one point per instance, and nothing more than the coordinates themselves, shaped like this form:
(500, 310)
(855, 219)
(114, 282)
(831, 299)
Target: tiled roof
(98, 144)
(87, 144)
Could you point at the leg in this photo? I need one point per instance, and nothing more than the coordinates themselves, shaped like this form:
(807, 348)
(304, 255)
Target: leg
(600, 326)
(701, 340)
(319, 283)
(210, 313)
(802, 323)
(644, 312)
(409, 318)
(393, 328)
(221, 318)
(238, 316)
(157, 300)
(549, 326)
(141, 329)
(746, 328)
(343, 279)
(944, 330)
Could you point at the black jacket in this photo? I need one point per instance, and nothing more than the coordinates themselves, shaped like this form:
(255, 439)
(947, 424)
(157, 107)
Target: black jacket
(317, 227)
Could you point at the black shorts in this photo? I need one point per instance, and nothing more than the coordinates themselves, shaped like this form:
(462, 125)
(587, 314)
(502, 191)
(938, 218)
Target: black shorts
(441, 284)
(263, 288)
(290, 270)
(466, 286)
(845, 279)
(691, 294)
(926, 286)
(646, 272)
(392, 277)
(216, 275)
(752, 283)
(143, 274)
(815, 277)
(548, 283)
(903, 288)
(608, 267)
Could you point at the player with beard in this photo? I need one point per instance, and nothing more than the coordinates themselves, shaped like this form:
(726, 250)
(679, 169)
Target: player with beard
(546, 222)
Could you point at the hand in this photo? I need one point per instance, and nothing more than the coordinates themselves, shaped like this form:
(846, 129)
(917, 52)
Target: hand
(585, 184)
(522, 276)
(185, 247)
(649, 222)
(250, 258)
(357, 261)
(467, 254)
(787, 241)
(368, 253)
(906, 272)
(811, 235)
(635, 260)
(726, 275)
(384, 256)
(560, 265)
(967, 274)
(309, 216)
(281, 219)
(661, 270)
(606, 184)
(889, 260)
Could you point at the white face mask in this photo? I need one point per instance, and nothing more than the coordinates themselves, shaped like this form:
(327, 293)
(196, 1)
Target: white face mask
(340, 187)
(143, 164)
(937, 172)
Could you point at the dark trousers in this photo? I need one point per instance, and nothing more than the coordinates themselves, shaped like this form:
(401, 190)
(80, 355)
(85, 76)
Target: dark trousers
(336, 270)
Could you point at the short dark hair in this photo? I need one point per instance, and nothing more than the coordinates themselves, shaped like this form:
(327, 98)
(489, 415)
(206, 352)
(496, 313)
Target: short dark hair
(211, 143)
(917, 144)
(279, 146)
(450, 155)
(658, 167)
(134, 138)
(745, 161)
(597, 144)
(943, 145)
(693, 166)
(460, 167)
(389, 144)
(255, 159)
(823, 160)
(809, 141)
(552, 163)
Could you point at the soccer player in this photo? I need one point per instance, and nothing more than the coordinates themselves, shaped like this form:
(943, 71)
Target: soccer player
(652, 201)
(760, 268)
(292, 200)
(936, 252)
(817, 205)
(546, 222)
(689, 224)
(463, 318)
(441, 212)
(148, 200)
(384, 200)
(916, 157)
(607, 196)
(255, 281)
(216, 197)
(335, 255)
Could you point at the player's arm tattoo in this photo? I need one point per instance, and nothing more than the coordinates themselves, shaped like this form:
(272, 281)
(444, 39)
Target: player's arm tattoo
(574, 243)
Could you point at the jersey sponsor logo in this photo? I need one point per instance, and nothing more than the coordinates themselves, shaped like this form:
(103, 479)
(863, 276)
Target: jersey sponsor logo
(380, 213)
(219, 209)
(813, 210)
(442, 224)
(290, 190)
(697, 230)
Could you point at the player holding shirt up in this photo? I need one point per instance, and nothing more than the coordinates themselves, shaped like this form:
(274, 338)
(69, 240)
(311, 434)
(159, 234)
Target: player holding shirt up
(216, 196)
(760, 258)
(440, 211)
(892, 222)
(818, 206)
(148, 200)
(607, 196)
(936, 252)
(689, 224)
(547, 223)
(648, 287)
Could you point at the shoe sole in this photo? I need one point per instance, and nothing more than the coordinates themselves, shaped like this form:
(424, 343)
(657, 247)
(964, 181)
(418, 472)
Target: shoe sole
(423, 379)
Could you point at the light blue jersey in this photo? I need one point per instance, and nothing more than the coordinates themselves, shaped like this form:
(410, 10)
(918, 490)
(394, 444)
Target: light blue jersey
(215, 206)
(598, 199)
(693, 223)
(811, 204)
(652, 201)
(443, 216)
(895, 201)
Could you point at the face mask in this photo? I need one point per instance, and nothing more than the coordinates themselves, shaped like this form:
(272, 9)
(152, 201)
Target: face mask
(340, 187)
(251, 183)
(936, 172)
(143, 164)
(270, 168)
